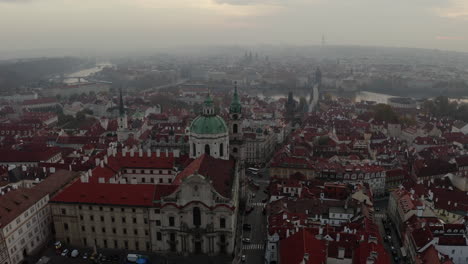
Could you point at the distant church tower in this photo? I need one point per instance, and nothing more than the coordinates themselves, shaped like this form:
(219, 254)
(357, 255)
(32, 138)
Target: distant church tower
(235, 127)
(122, 121)
(318, 77)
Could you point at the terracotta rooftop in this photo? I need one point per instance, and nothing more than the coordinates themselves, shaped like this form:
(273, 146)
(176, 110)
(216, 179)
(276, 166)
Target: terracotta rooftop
(220, 172)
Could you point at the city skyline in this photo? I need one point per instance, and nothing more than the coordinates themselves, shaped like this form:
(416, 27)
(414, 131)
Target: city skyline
(125, 26)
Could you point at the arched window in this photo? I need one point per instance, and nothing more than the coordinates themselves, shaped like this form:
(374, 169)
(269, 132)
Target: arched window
(207, 149)
(221, 149)
(234, 128)
(194, 149)
(196, 216)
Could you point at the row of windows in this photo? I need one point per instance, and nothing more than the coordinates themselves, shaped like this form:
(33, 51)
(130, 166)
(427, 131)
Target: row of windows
(112, 218)
(141, 171)
(103, 230)
(152, 180)
(115, 244)
(39, 204)
(100, 208)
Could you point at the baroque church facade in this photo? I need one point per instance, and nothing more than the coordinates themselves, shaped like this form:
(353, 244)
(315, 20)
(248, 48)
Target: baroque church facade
(192, 211)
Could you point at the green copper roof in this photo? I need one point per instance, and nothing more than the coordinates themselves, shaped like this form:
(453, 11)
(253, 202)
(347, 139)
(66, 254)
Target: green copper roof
(208, 101)
(236, 106)
(208, 125)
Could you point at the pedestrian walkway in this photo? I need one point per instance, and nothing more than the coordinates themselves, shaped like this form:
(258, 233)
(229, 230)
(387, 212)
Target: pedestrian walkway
(253, 246)
(257, 204)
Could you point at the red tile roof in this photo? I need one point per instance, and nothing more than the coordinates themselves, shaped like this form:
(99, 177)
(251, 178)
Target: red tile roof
(107, 193)
(220, 172)
(15, 202)
(28, 155)
(294, 248)
(40, 101)
(422, 236)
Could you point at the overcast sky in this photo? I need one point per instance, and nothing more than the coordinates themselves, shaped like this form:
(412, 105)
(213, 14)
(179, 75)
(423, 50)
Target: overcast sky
(144, 24)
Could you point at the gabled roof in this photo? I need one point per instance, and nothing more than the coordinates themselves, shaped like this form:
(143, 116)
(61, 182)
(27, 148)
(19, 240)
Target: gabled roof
(294, 248)
(220, 172)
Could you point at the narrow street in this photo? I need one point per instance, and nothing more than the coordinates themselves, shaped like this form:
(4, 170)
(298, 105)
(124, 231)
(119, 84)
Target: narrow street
(255, 250)
(393, 245)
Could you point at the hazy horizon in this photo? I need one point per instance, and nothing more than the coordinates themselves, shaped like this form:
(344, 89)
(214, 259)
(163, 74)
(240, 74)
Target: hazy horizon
(109, 26)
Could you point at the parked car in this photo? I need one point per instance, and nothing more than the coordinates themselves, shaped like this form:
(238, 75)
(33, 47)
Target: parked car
(243, 258)
(75, 253)
(65, 252)
(58, 245)
(246, 240)
(85, 255)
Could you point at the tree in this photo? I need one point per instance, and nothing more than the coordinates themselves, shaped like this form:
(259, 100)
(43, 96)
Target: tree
(383, 112)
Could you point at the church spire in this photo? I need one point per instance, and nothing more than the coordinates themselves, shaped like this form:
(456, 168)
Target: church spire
(236, 106)
(121, 104)
(208, 106)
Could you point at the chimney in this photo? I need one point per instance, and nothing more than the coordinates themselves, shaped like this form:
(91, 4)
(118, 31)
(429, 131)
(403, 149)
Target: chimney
(97, 162)
(306, 257)
(176, 153)
(101, 180)
(84, 178)
(114, 152)
(337, 237)
(158, 153)
(149, 152)
(105, 159)
(167, 153)
(124, 152)
(90, 173)
(132, 152)
(341, 253)
(109, 151)
(102, 164)
(320, 230)
(140, 152)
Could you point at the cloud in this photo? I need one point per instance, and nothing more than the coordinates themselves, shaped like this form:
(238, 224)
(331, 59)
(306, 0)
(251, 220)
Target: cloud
(449, 38)
(455, 9)
(236, 8)
(14, 1)
(248, 2)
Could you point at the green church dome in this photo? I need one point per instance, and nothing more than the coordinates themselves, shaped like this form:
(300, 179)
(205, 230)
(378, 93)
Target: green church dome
(212, 124)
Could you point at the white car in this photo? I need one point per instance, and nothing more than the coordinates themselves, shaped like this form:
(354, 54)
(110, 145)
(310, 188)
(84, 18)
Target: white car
(246, 240)
(243, 258)
(65, 252)
(74, 253)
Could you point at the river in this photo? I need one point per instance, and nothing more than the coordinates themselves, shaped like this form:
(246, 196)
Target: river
(86, 72)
